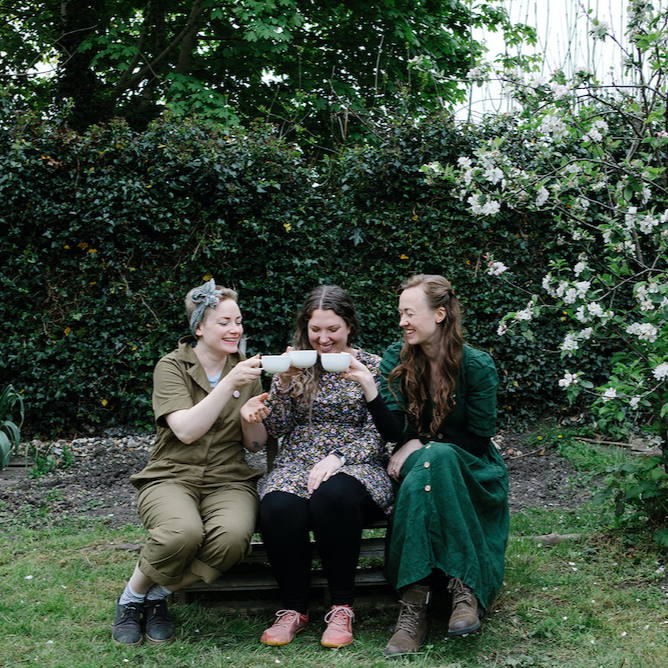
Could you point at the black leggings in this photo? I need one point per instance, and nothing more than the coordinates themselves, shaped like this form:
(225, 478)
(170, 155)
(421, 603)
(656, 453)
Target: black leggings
(336, 513)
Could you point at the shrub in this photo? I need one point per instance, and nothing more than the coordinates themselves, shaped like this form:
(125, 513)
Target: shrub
(10, 432)
(102, 234)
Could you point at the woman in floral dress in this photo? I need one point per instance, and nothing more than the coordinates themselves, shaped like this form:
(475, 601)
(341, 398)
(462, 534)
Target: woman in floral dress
(330, 474)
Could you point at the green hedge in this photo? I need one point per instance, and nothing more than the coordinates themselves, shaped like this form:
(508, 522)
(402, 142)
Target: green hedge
(101, 235)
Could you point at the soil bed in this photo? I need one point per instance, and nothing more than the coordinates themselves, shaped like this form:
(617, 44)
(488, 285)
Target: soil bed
(97, 484)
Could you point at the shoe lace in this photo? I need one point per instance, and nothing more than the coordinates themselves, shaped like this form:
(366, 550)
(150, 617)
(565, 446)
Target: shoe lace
(338, 617)
(132, 610)
(460, 592)
(286, 617)
(408, 618)
(158, 609)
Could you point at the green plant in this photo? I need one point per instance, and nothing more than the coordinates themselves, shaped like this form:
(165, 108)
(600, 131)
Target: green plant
(10, 432)
(126, 222)
(595, 160)
(639, 490)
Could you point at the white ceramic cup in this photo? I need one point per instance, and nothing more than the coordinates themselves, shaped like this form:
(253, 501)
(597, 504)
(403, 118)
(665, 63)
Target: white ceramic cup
(335, 361)
(302, 359)
(275, 363)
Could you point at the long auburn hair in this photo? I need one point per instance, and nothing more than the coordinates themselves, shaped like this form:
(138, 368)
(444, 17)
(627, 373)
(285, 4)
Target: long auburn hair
(413, 374)
(325, 298)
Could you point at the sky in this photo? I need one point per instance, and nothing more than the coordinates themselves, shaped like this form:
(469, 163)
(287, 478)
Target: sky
(563, 40)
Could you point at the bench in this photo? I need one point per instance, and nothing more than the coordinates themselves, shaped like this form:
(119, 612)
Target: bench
(251, 584)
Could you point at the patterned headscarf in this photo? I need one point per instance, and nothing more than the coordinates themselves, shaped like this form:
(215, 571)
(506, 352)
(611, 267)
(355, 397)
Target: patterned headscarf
(206, 296)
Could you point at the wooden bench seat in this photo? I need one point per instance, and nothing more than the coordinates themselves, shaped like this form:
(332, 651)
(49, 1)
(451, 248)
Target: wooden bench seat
(253, 577)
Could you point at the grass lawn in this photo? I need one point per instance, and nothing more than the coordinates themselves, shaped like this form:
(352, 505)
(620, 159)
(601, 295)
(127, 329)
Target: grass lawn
(596, 601)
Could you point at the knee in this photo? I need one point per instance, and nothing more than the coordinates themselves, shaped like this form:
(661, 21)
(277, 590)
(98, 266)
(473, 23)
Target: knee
(279, 507)
(333, 494)
(232, 540)
(441, 452)
(178, 536)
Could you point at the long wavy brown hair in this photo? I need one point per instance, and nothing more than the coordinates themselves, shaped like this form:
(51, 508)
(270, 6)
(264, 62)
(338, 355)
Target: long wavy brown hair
(413, 374)
(325, 298)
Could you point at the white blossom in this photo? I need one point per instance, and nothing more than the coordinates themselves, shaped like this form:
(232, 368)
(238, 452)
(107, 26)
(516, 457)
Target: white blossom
(595, 309)
(496, 268)
(493, 175)
(571, 296)
(560, 91)
(569, 344)
(610, 393)
(647, 224)
(464, 162)
(661, 372)
(502, 329)
(634, 402)
(646, 194)
(592, 135)
(599, 29)
(586, 333)
(475, 205)
(543, 194)
(553, 125)
(644, 331)
(525, 314)
(547, 285)
(569, 379)
(491, 207)
(579, 268)
(641, 292)
(601, 125)
(625, 246)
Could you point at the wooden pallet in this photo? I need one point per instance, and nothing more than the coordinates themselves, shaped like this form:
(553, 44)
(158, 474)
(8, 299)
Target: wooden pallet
(16, 471)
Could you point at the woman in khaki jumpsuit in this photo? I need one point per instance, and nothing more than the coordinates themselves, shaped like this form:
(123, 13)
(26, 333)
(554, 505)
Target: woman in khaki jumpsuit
(197, 495)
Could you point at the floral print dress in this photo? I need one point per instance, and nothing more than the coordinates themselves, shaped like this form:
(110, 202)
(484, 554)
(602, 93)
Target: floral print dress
(341, 421)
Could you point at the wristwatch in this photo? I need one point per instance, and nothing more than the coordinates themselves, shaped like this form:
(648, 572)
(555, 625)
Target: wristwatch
(340, 455)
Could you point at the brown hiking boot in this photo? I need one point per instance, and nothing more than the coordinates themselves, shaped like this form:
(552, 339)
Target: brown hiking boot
(411, 627)
(465, 616)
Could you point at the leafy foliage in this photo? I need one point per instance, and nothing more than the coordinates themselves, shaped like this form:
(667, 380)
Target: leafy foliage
(595, 158)
(103, 233)
(10, 432)
(309, 67)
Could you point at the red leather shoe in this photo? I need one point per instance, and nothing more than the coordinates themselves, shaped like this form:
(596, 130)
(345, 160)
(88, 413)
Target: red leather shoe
(288, 623)
(339, 631)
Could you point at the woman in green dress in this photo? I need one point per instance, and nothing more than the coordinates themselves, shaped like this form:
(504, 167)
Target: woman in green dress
(438, 403)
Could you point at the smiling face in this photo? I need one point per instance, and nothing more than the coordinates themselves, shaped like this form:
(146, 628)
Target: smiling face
(421, 323)
(328, 332)
(221, 328)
